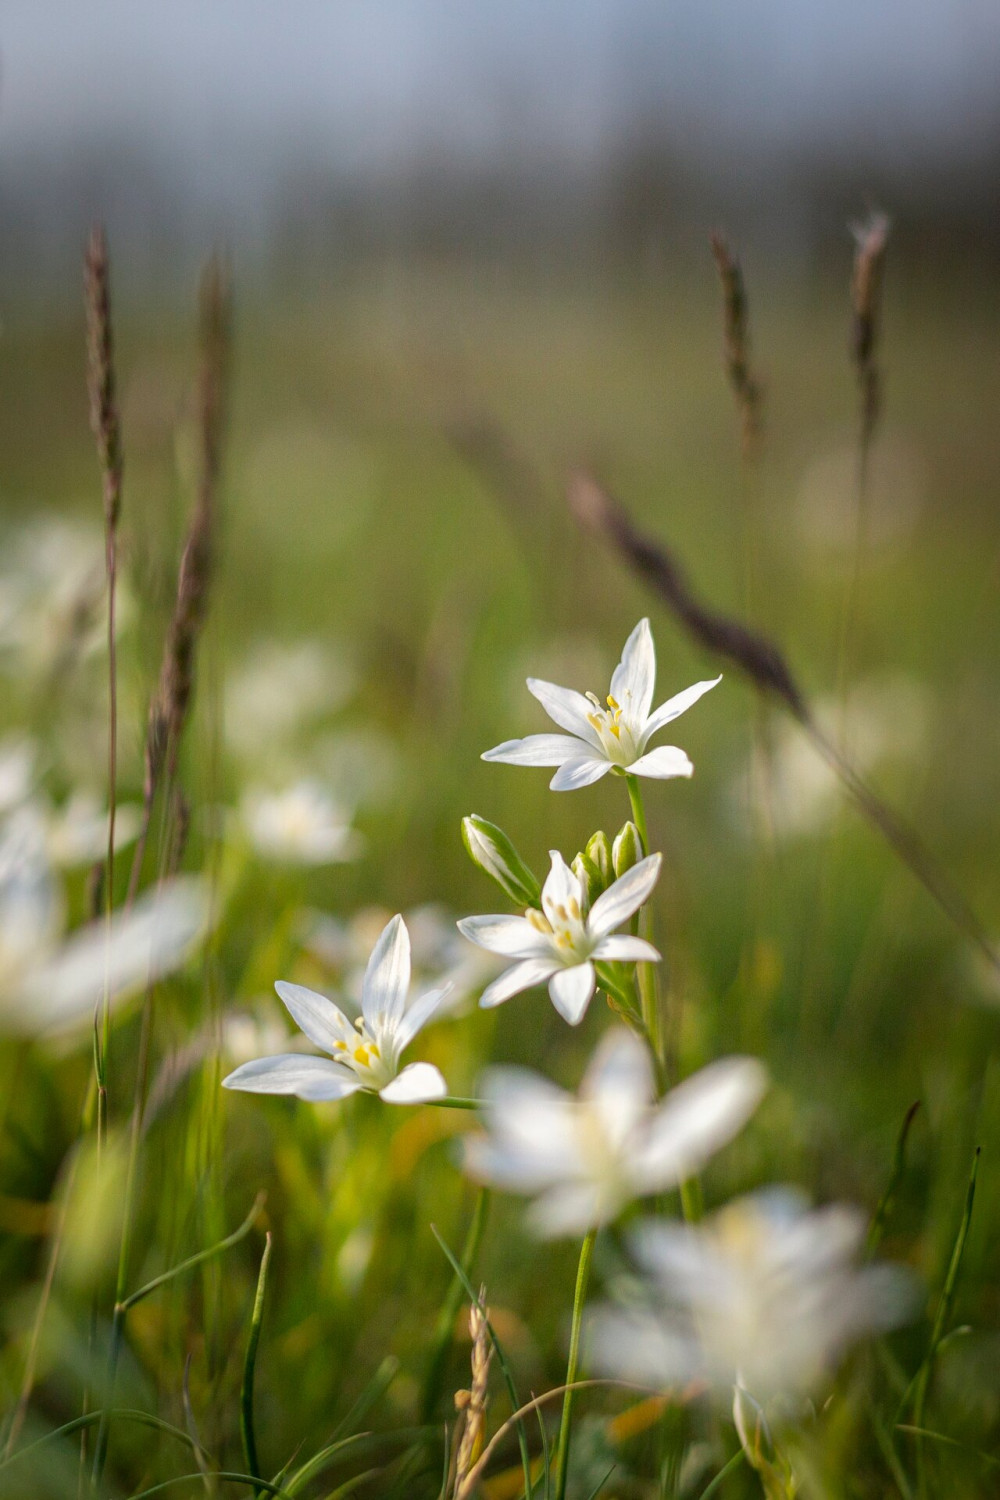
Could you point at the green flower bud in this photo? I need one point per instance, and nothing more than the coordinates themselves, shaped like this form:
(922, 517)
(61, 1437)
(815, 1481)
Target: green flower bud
(627, 849)
(589, 877)
(491, 849)
(598, 851)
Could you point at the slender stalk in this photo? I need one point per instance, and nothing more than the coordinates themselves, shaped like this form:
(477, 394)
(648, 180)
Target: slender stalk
(572, 1364)
(250, 1365)
(646, 981)
(451, 1102)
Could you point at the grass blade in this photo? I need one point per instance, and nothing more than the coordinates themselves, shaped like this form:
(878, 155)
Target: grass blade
(250, 1363)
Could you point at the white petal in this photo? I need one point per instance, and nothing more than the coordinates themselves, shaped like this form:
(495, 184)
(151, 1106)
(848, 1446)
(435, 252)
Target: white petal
(415, 1085)
(523, 976)
(635, 1345)
(145, 943)
(387, 977)
(582, 771)
(572, 1208)
(312, 1078)
(569, 709)
(323, 1022)
(663, 763)
(635, 675)
(560, 890)
(618, 1084)
(514, 937)
(676, 706)
(624, 897)
(624, 949)
(571, 990)
(536, 750)
(418, 1014)
(697, 1118)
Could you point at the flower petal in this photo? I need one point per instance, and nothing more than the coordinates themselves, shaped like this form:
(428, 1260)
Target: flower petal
(415, 1085)
(535, 750)
(523, 976)
(569, 709)
(560, 890)
(418, 1014)
(571, 1208)
(624, 949)
(387, 978)
(311, 1078)
(514, 937)
(675, 706)
(663, 763)
(624, 897)
(571, 989)
(696, 1119)
(618, 1085)
(635, 675)
(581, 771)
(323, 1022)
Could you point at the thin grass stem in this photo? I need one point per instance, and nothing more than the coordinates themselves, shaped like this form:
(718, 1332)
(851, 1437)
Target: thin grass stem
(572, 1363)
(250, 1363)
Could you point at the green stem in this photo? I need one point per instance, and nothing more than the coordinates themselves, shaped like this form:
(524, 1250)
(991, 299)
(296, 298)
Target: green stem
(250, 1365)
(572, 1364)
(450, 1102)
(646, 979)
(692, 1203)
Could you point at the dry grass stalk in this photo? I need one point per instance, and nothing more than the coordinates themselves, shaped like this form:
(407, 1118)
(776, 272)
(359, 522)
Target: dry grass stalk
(472, 1403)
(870, 240)
(171, 702)
(747, 388)
(603, 516)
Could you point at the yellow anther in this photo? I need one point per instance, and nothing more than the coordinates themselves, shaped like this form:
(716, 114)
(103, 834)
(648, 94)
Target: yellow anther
(594, 700)
(361, 1056)
(613, 704)
(574, 909)
(537, 919)
(340, 1046)
(594, 720)
(615, 730)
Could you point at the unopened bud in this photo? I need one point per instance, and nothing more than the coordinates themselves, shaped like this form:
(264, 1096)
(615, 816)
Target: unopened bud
(627, 849)
(491, 849)
(589, 877)
(598, 851)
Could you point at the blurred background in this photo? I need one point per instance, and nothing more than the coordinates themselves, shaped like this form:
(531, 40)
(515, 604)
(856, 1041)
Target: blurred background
(469, 249)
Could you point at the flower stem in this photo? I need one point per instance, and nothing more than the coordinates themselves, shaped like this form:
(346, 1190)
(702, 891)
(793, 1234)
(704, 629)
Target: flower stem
(572, 1364)
(645, 973)
(451, 1102)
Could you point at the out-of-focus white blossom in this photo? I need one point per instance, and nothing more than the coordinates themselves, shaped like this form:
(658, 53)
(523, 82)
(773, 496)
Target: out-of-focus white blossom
(585, 1158)
(363, 1054)
(77, 832)
(301, 825)
(281, 690)
(764, 1296)
(18, 755)
(604, 738)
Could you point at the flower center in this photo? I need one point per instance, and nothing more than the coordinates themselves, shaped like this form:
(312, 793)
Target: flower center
(364, 1057)
(614, 730)
(566, 929)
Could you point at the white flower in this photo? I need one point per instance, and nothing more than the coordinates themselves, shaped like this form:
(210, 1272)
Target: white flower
(17, 770)
(302, 825)
(763, 1296)
(601, 739)
(560, 943)
(78, 831)
(364, 1054)
(284, 687)
(586, 1158)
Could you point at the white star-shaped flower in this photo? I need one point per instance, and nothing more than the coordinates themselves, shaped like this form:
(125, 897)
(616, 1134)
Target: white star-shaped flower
(585, 1158)
(560, 943)
(363, 1054)
(614, 737)
(765, 1295)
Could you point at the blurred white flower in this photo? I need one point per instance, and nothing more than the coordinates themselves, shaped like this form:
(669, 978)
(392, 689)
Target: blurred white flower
(18, 755)
(441, 958)
(50, 984)
(764, 1296)
(884, 721)
(364, 1054)
(53, 595)
(559, 944)
(301, 825)
(599, 738)
(77, 832)
(31, 905)
(246, 1036)
(585, 1158)
(281, 689)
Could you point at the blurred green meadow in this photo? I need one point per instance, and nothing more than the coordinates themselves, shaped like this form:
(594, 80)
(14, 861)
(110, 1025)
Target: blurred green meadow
(393, 499)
